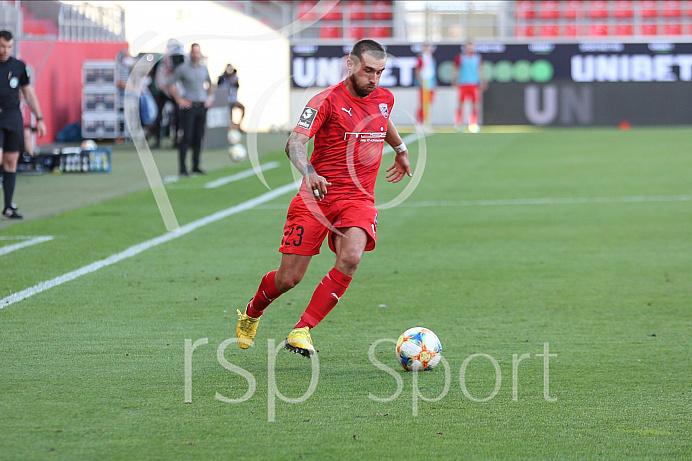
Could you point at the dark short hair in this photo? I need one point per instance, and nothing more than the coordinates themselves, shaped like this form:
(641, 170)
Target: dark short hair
(365, 46)
(6, 34)
(195, 45)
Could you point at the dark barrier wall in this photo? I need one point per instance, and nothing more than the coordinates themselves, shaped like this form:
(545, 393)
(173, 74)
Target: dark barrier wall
(587, 84)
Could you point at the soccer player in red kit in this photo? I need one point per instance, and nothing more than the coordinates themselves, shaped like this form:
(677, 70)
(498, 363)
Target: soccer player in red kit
(350, 122)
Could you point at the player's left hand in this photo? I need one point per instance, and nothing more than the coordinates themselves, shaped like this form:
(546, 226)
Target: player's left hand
(40, 129)
(400, 168)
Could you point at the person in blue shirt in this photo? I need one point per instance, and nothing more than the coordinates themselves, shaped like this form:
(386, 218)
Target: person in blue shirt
(468, 78)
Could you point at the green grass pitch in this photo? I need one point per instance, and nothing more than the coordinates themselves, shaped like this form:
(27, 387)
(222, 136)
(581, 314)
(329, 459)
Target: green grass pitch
(554, 266)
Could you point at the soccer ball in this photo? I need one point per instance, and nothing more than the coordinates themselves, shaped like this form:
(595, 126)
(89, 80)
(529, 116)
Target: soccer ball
(418, 349)
(89, 144)
(234, 137)
(237, 152)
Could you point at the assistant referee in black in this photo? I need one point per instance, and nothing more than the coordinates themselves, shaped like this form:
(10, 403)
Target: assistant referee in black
(13, 79)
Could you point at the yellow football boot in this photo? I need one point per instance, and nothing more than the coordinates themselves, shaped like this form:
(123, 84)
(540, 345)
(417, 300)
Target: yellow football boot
(246, 329)
(299, 341)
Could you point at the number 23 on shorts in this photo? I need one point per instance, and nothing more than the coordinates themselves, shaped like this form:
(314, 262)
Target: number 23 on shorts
(293, 236)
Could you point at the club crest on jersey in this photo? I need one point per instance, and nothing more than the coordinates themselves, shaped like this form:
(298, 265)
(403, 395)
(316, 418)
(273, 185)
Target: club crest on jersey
(384, 109)
(307, 117)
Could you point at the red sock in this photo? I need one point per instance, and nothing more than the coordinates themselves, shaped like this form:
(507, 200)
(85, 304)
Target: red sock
(473, 118)
(457, 118)
(266, 293)
(325, 297)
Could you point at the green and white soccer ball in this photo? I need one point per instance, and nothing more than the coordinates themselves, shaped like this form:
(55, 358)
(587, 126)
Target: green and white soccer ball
(234, 136)
(237, 152)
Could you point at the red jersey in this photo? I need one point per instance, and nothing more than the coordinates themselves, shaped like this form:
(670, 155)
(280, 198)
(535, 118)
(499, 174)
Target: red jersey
(349, 137)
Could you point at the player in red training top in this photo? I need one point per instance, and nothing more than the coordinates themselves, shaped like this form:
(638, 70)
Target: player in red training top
(350, 122)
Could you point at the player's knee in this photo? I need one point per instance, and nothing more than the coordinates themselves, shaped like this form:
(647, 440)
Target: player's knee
(349, 261)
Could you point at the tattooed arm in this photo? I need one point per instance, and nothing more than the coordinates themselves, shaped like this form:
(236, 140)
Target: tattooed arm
(296, 150)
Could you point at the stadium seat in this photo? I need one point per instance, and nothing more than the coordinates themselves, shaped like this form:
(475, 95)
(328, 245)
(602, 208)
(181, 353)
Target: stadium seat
(598, 9)
(672, 9)
(381, 10)
(523, 30)
(356, 32)
(624, 29)
(549, 9)
(356, 10)
(649, 28)
(524, 9)
(331, 10)
(571, 30)
(648, 8)
(572, 9)
(304, 12)
(672, 29)
(549, 29)
(379, 32)
(330, 32)
(623, 9)
(598, 29)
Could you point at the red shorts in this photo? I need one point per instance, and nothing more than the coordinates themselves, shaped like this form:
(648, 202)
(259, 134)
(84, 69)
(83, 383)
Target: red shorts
(308, 222)
(468, 91)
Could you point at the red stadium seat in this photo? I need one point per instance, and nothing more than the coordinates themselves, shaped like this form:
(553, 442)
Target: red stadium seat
(524, 30)
(572, 9)
(524, 9)
(379, 32)
(330, 32)
(624, 29)
(304, 12)
(331, 10)
(623, 9)
(356, 11)
(571, 30)
(381, 10)
(549, 30)
(598, 9)
(672, 29)
(648, 8)
(356, 32)
(649, 28)
(549, 9)
(598, 29)
(672, 9)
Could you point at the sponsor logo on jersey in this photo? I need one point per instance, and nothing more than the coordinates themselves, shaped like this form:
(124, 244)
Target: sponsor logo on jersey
(366, 137)
(307, 117)
(347, 111)
(14, 82)
(384, 109)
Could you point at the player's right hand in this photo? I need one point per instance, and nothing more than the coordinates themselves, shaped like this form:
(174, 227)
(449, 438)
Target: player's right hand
(317, 184)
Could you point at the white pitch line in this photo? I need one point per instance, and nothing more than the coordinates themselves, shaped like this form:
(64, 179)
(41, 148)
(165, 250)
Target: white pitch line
(242, 175)
(18, 246)
(136, 249)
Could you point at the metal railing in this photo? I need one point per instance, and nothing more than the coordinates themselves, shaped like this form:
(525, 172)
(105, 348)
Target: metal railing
(90, 23)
